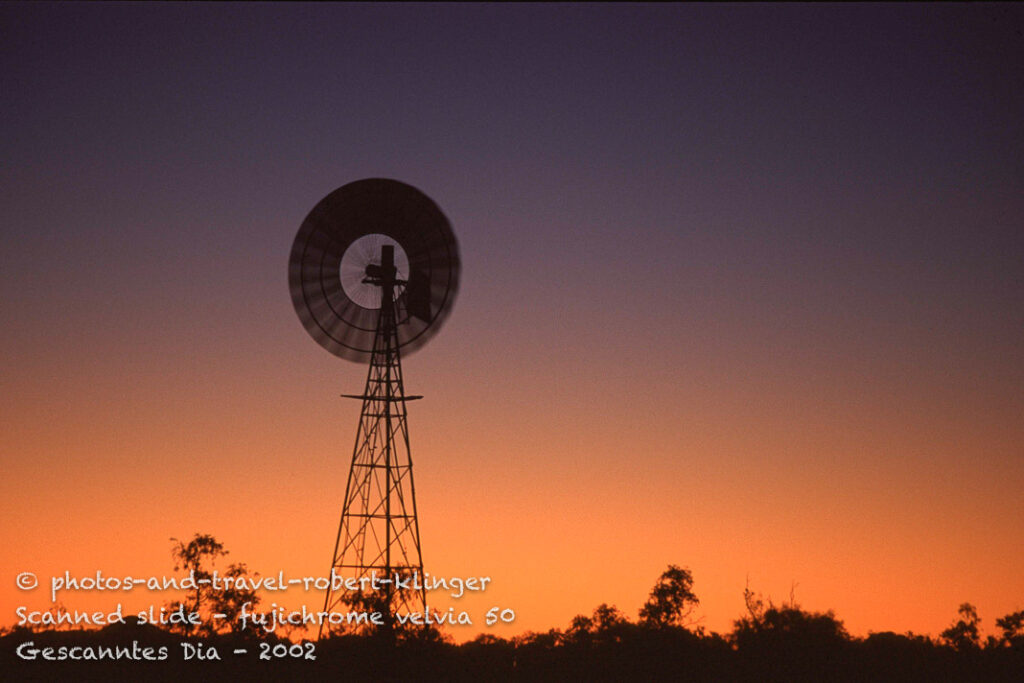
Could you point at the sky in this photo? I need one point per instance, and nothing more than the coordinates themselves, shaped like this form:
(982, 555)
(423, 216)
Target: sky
(742, 291)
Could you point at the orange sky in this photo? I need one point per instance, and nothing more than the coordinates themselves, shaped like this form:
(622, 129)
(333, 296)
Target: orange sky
(568, 487)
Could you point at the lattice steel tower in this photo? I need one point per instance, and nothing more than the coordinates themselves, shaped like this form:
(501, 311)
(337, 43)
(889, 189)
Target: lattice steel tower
(379, 533)
(373, 273)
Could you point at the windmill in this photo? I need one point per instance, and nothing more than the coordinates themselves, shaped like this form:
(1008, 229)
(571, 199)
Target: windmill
(373, 274)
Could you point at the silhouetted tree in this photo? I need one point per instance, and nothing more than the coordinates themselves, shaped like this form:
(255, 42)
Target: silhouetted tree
(581, 629)
(785, 643)
(672, 600)
(606, 625)
(790, 620)
(198, 557)
(366, 603)
(1013, 629)
(754, 603)
(608, 618)
(963, 636)
(229, 600)
(192, 557)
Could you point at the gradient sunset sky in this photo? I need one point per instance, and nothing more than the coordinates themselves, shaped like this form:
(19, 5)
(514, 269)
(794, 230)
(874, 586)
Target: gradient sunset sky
(742, 290)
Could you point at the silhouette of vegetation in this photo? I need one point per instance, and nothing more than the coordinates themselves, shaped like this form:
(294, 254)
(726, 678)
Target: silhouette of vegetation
(964, 635)
(769, 643)
(198, 558)
(1013, 630)
(672, 600)
(370, 602)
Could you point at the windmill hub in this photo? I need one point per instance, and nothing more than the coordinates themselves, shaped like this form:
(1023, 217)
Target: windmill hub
(383, 274)
(365, 255)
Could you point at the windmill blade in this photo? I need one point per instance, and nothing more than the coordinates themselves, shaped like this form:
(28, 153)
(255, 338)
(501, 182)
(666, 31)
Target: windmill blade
(342, 235)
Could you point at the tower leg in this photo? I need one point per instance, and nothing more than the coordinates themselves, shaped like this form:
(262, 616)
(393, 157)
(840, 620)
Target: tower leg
(378, 537)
